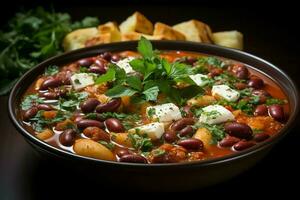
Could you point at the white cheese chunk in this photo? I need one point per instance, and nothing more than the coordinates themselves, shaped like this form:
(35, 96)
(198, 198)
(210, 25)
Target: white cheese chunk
(124, 64)
(225, 92)
(215, 114)
(81, 80)
(153, 130)
(199, 79)
(164, 113)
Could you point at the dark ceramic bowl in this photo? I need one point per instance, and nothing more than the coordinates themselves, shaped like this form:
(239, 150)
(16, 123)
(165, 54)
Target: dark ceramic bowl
(181, 176)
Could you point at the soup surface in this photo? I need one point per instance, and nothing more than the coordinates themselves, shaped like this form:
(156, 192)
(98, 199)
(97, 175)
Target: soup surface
(153, 106)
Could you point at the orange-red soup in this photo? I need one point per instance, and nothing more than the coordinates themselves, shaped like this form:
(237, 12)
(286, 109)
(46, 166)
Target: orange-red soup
(174, 107)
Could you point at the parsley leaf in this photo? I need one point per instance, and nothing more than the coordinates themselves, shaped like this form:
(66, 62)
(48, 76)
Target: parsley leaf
(151, 93)
(110, 75)
(31, 37)
(120, 91)
(134, 82)
(145, 48)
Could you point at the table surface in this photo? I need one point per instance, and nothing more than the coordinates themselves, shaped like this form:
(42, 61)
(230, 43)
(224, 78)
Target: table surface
(23, 175)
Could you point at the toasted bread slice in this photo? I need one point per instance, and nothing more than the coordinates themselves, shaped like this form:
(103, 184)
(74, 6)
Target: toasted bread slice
(137, 23)
(99, 39)
(112, 29)
(231, 39)
(167, 32)
(77, 39)
(136, 36)
(195, 30)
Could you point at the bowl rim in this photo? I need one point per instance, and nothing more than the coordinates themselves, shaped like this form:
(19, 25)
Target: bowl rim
(212, 161)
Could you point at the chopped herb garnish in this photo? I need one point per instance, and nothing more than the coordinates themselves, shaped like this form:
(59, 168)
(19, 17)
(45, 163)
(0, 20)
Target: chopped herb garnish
(211, 61)
(217, 131)
(71, 101)
(39, 122)
(272, 101)
(31, 100)
(158, 152)
(151, 112)
(51, 70)
(140, 142)
(109, 145)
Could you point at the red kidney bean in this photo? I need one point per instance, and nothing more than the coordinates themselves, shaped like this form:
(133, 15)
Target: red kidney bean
(89, 122)
(256, 83)
(97, 69)
(44, 107)
(49, 95)
(261, 110)
(188, 130)
(86, 62)
(181, 123)
(31, 112)
(191, 144)
(100, 62)
(215, 72)
(240, 86)
(51, 83)
(277, 112)
(114, 125)
(96, 134)
(89, 105)
(133, 158)
(242, 145)
(238, 130)
(259, 137)
(242, 72)
(228, 141)
(67, 138)
(123, 152)
(115, 58)
(106, 56)
(170, 136)
(191, 60)
(188, 112)
(263, 95)
(78, 118)
(111, 106)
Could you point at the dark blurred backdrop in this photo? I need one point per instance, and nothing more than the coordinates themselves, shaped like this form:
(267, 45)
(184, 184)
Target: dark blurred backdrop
(270, 31)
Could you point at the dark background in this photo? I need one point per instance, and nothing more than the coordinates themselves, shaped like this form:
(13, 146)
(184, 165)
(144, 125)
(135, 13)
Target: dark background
(270, 31)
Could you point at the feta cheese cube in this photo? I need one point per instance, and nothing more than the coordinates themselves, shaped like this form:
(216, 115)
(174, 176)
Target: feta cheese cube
(200, 79)
(124, 64)
(215, 114)
(81, 80)
(225, 92)
(164, 113)
(153, 130)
